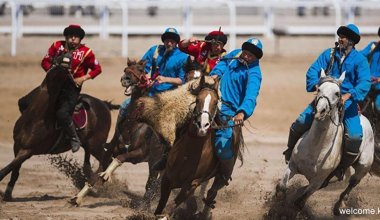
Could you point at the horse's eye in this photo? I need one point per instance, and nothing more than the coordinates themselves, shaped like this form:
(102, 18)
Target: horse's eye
(337, 93)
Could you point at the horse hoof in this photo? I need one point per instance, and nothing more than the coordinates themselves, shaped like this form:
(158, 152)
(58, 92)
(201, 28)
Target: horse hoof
(7, 198)
(74, 201)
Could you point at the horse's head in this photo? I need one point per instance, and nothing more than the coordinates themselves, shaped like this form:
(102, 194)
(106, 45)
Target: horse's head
(328, 95)
(134, 76)
(206, 106)
(193, 69)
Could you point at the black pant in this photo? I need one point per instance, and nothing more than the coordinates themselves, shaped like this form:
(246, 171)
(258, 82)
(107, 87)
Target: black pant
(66, 102)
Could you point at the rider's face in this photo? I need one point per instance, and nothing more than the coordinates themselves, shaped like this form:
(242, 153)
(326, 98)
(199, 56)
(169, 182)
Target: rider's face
(216, 48)
(247, 56)
(170, 44)
(73, 41)
(343, 41)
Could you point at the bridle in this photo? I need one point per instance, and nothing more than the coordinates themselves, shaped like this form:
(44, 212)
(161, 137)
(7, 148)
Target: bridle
(338, 104)
(143, 81)
(211, 117)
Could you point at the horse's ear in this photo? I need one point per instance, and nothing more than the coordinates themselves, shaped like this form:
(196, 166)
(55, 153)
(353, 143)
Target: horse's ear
(142, 62)
(323, 74)
(202, 82)
(129, 62)
(341, 78)
(216, 84)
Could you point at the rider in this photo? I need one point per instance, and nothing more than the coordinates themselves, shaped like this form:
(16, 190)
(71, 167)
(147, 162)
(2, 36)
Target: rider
(83, 59)
(240, 79)
(165, 64)
(372, 52)
(207, 52)
(342, 58)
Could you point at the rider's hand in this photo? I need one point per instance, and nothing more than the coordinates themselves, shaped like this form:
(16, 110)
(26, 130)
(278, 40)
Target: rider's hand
(80, 80)
(193, 40)
(161, 79)
(375, 80)
(345, 97)
(239, 118)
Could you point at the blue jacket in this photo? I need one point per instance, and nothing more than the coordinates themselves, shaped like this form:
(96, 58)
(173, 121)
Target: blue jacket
(172, 66)
(357, 80)
(239, 85)
(374, 66)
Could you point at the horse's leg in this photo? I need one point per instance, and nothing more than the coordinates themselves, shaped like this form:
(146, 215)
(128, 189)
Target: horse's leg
(86, 164)
(185, 192)
(14, 166)
(283, 184)
(151, 187)
(360, 172)
(309, 190)
(165, 193)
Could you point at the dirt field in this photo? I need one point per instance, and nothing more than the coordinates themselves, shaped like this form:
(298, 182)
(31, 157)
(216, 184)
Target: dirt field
(42, 192)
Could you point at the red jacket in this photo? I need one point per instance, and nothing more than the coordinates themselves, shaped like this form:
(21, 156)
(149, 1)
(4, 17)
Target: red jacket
(82, 59)
(201, 52)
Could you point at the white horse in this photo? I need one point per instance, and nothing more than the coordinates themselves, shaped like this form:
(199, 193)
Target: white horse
(319, 152)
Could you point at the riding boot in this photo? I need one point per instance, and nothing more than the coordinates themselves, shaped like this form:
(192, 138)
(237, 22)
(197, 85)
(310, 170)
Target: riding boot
(292, 141)
(161, 164)
(72, 134)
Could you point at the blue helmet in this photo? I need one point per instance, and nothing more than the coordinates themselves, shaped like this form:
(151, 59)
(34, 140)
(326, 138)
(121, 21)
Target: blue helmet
(254, 46)
(170, 33)
(350, 31)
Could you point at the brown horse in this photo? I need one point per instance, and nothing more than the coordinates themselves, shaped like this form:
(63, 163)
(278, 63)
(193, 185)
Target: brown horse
(132, 142)
(367, 108)
(193, 69)
(192, 161)
(35, 131)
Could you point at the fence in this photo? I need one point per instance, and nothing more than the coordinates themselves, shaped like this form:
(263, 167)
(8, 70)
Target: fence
(262, 17)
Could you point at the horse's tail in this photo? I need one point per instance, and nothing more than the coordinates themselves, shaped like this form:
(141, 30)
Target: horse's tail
(239, 145)
(111, 106)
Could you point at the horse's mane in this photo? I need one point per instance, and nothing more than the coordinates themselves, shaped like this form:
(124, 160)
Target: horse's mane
(192, 65)
(168, 111)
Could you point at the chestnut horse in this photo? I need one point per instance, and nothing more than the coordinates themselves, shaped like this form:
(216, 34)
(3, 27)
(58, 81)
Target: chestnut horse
(35, 131)
(192, 160)
(132, 142)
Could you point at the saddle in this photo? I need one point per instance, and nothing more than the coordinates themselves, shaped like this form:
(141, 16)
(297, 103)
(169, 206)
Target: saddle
(79, 116)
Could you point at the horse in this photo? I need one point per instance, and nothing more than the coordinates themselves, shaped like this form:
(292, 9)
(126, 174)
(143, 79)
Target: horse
(133, 141)
(319, 151)
(367, 108)
(191, 160)
(193, 69)
(35, 131)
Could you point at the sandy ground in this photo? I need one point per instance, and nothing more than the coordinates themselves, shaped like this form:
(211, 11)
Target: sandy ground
(42, 192)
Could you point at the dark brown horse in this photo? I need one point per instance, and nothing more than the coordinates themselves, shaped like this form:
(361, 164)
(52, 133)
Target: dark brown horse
(193, 69)
(132, 142)
(368, 109)
(35, 132)
(192, 161)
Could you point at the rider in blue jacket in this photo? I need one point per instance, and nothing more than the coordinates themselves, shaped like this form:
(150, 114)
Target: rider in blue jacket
(240, 79)
(342, 58)
(372, 52)
(165, 62)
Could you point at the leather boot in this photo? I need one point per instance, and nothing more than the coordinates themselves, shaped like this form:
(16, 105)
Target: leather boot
(74, 139)
(292, 141)
(161, 164)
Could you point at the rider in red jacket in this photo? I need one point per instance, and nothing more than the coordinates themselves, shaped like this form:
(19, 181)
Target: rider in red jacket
(207, 52)
(82, 59)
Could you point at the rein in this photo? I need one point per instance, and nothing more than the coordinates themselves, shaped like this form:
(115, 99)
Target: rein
(143, 82)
